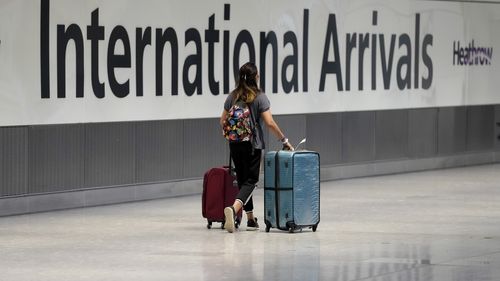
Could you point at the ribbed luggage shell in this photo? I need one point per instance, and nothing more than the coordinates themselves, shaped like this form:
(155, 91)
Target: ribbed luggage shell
(298, 179)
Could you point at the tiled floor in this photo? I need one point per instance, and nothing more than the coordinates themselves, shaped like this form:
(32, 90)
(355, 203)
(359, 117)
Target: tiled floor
(437, 225)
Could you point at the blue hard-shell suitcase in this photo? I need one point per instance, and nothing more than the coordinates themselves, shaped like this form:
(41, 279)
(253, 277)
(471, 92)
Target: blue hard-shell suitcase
(291, 190)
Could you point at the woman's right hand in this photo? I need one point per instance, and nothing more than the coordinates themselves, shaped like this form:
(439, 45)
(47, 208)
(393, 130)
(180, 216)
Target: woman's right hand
(288, 146)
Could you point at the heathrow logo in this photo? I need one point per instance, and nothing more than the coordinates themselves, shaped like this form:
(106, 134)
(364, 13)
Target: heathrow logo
(470, 54)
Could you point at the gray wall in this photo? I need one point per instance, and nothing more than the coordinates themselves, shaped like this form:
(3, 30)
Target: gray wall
(60, 158)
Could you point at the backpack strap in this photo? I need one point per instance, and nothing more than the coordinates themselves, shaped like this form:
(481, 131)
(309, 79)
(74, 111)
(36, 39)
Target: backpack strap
(252, 117)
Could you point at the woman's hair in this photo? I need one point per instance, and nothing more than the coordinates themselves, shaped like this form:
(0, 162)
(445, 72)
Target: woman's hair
(247, 89)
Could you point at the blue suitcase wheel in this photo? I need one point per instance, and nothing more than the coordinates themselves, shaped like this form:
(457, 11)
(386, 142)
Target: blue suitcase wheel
(268, 225)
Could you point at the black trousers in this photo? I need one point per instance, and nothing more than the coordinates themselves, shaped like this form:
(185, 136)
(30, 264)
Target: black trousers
(247, 164)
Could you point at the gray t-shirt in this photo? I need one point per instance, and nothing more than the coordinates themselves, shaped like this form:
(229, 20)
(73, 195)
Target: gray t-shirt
(260, 104)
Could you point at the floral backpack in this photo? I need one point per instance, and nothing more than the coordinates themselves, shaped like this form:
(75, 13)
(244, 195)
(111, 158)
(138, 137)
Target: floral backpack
(238, 123)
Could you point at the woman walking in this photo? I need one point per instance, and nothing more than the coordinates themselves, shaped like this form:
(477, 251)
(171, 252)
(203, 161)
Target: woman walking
(245, 109)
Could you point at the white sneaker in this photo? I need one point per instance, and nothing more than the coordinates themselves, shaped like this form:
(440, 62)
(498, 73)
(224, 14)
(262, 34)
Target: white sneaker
(229, 215)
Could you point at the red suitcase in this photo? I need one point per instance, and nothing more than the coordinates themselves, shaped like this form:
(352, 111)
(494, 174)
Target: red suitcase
(219, 191)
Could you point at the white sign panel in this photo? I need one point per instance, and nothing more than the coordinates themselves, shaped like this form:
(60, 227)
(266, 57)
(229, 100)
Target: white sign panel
(69, 61)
